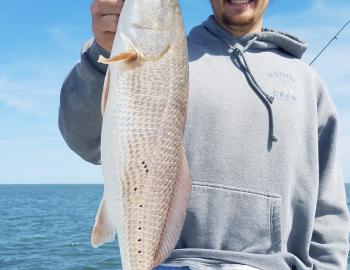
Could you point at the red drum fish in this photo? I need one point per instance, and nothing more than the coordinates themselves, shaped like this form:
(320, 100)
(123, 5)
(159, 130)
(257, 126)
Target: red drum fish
(144, 106)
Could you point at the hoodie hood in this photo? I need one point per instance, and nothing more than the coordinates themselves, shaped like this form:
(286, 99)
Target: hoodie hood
(267, 39)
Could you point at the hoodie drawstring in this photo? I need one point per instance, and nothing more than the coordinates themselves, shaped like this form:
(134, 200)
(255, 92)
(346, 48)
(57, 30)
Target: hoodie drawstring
(267, 99)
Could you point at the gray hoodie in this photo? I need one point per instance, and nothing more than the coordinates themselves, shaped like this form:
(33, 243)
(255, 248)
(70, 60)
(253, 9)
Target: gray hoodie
(261, 141)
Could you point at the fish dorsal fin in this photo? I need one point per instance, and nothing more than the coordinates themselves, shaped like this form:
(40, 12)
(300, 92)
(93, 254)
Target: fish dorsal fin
(177, 211)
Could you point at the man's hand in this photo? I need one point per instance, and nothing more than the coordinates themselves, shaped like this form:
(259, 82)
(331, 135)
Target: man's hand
(105, 16)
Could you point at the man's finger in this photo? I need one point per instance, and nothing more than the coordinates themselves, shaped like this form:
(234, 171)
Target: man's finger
(105, 40)
(103, 7)
(106, 23)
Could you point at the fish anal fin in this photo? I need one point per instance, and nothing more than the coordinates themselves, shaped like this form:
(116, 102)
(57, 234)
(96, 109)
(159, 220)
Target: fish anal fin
(128, 56)
(105, 92)
(104, 229)
(177, 211)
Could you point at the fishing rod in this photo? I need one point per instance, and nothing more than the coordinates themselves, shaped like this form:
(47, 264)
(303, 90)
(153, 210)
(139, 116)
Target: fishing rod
(329, 43)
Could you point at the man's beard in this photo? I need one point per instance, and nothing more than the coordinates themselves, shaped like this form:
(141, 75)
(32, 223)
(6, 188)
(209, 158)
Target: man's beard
(242, 21)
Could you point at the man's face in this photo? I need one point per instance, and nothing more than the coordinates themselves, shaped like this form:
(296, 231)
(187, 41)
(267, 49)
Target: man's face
(239, 13)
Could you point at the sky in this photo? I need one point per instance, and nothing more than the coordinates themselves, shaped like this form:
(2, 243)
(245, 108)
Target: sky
(40, 42)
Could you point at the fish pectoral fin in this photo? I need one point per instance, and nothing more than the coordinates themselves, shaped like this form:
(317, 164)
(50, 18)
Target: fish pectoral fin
(127, 56)
(105, 228)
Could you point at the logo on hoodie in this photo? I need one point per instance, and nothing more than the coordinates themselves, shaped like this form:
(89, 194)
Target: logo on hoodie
(284, 88)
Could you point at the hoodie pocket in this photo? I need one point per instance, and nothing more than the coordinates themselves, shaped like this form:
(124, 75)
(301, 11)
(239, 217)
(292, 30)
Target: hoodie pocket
(232, 218)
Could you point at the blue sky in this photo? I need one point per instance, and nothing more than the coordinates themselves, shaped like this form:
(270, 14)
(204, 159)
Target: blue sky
(40, 43)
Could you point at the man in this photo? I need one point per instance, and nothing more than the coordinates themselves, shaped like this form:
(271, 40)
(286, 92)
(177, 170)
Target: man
(261, 142)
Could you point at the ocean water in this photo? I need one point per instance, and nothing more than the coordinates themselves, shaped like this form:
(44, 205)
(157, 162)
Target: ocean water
(49, 226)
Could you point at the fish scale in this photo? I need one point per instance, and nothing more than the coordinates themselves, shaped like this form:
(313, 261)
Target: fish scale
(144, 107)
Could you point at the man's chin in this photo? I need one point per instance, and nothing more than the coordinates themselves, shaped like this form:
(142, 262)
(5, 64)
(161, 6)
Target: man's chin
(237, 21)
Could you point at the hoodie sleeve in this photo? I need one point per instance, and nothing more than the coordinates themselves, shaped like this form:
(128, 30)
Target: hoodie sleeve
(80, 118)
(329, 244)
